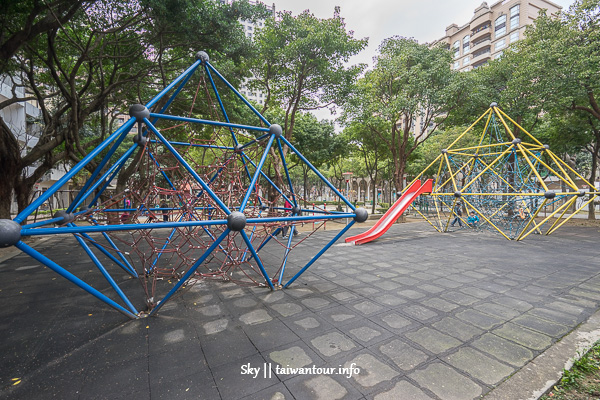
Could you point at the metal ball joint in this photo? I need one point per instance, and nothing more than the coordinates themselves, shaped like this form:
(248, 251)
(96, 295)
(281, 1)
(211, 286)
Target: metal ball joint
(10, 233)
(202, 56)
(276, 130)
(361, 215)
(66, 217)
(236, 221)
(139, 112)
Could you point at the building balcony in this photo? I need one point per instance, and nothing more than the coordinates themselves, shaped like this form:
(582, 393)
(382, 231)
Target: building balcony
(481, 56)
(478, 33)
(481, 45)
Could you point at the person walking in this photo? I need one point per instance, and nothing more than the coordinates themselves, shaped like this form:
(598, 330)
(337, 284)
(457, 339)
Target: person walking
(457, 214)
(165, 211)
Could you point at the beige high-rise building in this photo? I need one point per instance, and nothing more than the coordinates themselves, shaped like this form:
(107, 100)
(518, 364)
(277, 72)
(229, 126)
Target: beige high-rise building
(491, 30)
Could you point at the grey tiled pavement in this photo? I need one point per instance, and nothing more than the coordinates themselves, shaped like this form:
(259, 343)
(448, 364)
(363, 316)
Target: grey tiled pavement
(422, 315)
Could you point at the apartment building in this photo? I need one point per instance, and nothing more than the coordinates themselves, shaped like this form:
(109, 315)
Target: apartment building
(491, 30)
(250, 29)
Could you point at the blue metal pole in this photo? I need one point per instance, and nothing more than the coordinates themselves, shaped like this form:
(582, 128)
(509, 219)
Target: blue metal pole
(287, 252)
(239, 95)
(256, 174)
(267, 179)
(114, 170)
(208, 122)
(258, 261)
(99, 168)
(287, 173)
(220, 103)
(129, 269)
(193, 269)
(172, 85)
(105, 273)
(188, 168)
(206, 146)
(320, 253)
(316, 171)
(78, 167)
(72, 278)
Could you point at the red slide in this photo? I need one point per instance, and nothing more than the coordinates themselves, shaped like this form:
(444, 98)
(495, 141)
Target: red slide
(393, 213)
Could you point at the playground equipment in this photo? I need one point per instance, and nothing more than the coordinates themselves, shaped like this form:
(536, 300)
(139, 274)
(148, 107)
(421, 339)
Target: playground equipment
(512, 181)
(197, 194)
(395, 211)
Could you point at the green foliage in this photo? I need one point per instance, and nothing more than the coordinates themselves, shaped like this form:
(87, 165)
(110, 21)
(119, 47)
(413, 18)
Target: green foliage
(409, 81)
(300, 63)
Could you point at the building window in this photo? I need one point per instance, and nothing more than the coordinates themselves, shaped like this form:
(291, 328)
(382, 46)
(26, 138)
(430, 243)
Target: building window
(456, 64)
(500, 26)
(499, 55)
(456, 48)
(514, 17)
(514, 36)
(466, 44)
(466, 60)
(500, 44)
(514, 11)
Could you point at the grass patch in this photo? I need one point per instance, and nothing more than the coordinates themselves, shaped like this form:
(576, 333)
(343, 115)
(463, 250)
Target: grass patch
(582, 381)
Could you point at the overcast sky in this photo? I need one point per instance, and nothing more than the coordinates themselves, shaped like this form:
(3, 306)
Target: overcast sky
(424, 20)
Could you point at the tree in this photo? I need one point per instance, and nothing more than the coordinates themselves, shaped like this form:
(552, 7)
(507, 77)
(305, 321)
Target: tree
(300, 63)
(410, 81)
(96, 58)
(562, 55)
(316, 140)
(372, 151)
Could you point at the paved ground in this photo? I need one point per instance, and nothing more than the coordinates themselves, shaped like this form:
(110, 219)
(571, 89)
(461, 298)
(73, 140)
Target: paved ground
(418, 314)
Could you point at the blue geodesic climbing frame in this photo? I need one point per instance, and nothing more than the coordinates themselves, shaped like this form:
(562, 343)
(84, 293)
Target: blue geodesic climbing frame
(196, 205)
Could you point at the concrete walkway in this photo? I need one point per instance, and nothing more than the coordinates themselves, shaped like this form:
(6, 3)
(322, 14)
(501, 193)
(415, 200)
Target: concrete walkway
(414, 315)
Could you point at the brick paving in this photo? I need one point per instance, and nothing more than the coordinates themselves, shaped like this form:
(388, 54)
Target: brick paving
(416, 314)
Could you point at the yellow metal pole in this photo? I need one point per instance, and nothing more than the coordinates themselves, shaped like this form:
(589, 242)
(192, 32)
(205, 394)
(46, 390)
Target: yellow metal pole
(468, 129)
(521, 128)
(532, 219)
(487, 220)
(488, 167)
(545, 219)
(532, 167)
(508, 131)
(560, 217)
(427, 219)
(571, 216)
(551, 170)
(450, 169)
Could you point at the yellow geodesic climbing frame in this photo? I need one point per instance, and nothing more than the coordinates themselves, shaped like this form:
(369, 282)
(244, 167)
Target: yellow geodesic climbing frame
(511, 181)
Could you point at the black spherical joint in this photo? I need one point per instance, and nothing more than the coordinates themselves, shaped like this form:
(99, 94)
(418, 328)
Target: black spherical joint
(361, 215)
(549, 194)
(84, 209)
(547, 146)
(66, 217)
(516, 141)
(236, 221)
(140, 140)
(238, 148)
(10, 233)
(296, 210)
(202, 56)
(581, 193)
(458, 195)
(493, 104)
(444, 151)
(139, 112)
(275, 130)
